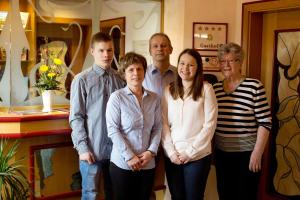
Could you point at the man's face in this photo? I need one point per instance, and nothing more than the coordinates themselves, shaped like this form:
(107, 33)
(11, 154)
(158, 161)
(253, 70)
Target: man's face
(103, 53)
(160, 48)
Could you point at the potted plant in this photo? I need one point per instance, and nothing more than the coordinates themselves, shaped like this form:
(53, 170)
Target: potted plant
(13, 182)
(47, 82)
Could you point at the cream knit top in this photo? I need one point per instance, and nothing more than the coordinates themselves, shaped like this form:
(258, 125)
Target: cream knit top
(188, 125)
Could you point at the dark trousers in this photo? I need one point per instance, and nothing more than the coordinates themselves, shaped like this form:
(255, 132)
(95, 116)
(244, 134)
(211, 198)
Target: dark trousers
(131, 185)
(187, 181)
(234, 179)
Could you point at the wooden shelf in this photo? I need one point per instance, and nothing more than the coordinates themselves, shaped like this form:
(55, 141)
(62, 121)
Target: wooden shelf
(30, 32)
(23, 61)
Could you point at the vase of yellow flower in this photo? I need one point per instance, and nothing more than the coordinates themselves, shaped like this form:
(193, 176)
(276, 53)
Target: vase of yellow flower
(47, 82)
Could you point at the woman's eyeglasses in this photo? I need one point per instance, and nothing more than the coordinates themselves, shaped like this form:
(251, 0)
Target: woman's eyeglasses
(230, 62)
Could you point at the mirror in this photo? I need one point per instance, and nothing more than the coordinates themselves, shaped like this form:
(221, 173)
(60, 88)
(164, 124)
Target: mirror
(51, 163)
(142, 18)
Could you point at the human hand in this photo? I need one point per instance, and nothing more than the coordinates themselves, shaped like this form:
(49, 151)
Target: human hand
(145, 158)
(88, 156)
(134, 163)
(255, 161)
(184, 158)
(175, 159)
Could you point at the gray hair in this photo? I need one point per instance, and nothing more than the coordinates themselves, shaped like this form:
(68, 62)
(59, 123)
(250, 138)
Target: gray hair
(231, 48)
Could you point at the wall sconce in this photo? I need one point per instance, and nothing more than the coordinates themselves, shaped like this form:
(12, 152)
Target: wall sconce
(24, 18)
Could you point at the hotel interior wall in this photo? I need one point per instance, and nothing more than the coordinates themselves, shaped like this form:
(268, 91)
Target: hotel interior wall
(137, 32)
(179, 17)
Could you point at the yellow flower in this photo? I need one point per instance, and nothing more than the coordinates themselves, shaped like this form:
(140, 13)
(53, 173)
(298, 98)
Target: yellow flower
(57, 61)
(43, 68)
(51, 74)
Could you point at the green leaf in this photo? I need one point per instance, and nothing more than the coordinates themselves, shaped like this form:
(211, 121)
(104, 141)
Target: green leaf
(13, 182)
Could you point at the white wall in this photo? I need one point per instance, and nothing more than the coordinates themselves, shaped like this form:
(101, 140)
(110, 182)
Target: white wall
(179, 16)
(142, 18)
(174, 21)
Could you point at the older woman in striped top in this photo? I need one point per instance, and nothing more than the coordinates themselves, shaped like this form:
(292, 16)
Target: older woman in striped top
(244, 123)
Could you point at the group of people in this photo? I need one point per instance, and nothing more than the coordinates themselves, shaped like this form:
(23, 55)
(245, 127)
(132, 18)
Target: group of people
(119, 119)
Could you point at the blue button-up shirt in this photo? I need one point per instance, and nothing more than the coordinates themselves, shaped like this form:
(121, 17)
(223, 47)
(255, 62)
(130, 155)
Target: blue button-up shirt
(133, 128)
(90, 91)
(156, 82)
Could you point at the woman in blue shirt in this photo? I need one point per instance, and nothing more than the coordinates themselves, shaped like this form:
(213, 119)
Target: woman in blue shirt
(133, 119)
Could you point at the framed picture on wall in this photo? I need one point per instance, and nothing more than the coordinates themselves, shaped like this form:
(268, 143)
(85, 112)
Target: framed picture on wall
(209, 36)
(210, 63)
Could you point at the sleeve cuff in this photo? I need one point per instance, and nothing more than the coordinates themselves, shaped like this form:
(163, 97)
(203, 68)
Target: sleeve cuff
(170, 151)
(83, 148)
(190, 151)
(127, 155)
(154, 153)
(153, 149)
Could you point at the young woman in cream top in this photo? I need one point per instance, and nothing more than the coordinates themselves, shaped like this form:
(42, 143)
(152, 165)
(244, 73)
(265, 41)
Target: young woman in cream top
(189, 120)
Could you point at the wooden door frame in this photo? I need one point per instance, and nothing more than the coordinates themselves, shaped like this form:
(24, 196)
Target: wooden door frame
(121, 22)
(252, 27)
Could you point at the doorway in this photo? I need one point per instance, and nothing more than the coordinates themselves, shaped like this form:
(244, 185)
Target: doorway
(261, 23)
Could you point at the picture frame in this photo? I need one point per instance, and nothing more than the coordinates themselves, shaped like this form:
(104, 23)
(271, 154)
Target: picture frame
(209, 36)
(210, 63)
(24, 55)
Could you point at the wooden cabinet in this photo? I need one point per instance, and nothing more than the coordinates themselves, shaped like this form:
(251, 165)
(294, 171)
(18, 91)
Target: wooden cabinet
(28, 58)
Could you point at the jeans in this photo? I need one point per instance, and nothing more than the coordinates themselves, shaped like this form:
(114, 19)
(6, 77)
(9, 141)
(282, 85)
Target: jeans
(188, 181)
(90, 174)
(131, 185)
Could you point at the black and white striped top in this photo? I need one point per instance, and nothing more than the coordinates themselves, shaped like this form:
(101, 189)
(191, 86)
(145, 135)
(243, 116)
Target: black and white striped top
(240, 113)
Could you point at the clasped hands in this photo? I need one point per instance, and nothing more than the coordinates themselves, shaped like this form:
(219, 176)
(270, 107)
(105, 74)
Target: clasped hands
(137, 162)
(180, 158)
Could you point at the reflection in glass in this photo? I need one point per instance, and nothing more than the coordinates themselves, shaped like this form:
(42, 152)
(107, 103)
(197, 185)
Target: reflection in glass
(56, 171)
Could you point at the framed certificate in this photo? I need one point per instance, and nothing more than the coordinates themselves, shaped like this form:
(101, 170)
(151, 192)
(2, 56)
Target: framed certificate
(209, 36)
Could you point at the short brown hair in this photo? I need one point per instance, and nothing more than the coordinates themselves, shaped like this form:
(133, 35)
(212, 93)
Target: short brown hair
(161, 35)
(100, 37)
(132, 58)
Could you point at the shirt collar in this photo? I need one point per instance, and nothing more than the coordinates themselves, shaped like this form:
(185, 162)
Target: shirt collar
(154, 70)
(99, 70)
(128, 91)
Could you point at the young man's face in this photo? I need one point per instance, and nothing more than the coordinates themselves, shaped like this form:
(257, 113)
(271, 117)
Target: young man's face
(103, 53)
(160, 48)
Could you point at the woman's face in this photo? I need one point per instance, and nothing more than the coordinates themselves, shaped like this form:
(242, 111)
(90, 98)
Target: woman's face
(230, 65)
(134, 75)
(187, 67)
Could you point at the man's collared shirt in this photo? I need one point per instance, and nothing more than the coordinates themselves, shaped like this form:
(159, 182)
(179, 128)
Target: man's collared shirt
(90, 91)
(156, 82)
(133, 128)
